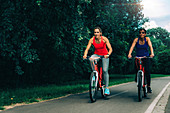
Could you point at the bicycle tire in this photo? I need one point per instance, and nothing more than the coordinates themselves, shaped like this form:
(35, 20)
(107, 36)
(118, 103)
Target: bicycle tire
(145, 88)
(102, 92)
(139, 87)
(145, 91)
(93, 88)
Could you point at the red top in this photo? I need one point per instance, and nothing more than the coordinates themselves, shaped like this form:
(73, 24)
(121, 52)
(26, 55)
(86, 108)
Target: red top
(100, 49)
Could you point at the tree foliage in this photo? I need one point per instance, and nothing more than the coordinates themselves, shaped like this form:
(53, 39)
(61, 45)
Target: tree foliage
(160, 39)
(160, 34)
(43, 41)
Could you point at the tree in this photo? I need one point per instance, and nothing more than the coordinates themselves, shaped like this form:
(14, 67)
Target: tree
(160, 40)
(160, 34)
(45, 39)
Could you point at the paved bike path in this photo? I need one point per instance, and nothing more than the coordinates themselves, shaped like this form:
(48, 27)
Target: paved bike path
(167, 110)
(123, 99)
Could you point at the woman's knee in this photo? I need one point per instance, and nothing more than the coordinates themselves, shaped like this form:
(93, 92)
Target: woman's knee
(105, 72)
(147, 71)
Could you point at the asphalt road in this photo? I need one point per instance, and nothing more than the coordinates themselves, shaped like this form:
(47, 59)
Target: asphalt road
(123, 99)
(167, 110)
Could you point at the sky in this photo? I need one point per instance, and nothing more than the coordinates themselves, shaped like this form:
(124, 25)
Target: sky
(158, 11)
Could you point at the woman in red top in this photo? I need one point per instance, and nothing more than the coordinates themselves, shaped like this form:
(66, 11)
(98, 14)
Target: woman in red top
(100, 42)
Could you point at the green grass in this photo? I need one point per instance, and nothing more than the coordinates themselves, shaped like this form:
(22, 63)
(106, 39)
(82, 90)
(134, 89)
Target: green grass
(118, 79)
(36, 94)
(158, 75)
(2, 108)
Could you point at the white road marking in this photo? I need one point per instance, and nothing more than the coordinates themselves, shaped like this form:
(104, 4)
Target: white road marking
(118, 93)
(153, 104)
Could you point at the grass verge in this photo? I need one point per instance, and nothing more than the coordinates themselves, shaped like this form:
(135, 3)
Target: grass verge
(2, 108)
(36, 94)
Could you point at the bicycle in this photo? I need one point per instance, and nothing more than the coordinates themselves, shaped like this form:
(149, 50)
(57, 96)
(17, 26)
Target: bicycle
(141, 79)
(96, 79)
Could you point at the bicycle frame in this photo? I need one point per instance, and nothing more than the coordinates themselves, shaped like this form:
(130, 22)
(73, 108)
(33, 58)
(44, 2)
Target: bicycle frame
(141, 69)
(96, 83)
(141, 80)
(98, 71)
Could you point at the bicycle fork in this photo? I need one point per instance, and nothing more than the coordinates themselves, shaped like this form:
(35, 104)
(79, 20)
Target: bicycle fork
(140, 74)
(96, 74)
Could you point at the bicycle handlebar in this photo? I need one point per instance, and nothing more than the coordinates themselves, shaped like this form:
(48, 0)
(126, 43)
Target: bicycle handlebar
(94, 58)
(143, 57)
(140, 57)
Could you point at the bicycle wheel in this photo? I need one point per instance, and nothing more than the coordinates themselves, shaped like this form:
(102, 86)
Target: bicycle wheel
(102, 92)
(93, 87)
(145, 88)
(145, 91)
(139, 87)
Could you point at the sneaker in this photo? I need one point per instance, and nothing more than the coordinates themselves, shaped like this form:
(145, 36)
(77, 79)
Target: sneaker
(149, 90)
(107, 92)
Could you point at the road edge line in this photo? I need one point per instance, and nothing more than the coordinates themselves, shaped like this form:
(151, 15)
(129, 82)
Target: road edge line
(153, 104)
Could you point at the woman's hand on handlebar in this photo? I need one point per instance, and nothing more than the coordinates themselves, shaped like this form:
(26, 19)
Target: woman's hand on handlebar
(85, 56)
(129, 56)
(106, 56)
(152, 55)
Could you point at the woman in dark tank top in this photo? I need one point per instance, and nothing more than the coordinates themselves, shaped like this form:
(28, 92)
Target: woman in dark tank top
(142, 50)
(142, 43)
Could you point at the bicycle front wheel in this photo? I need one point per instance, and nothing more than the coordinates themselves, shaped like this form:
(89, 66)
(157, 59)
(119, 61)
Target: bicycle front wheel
(139, 87)
(93, 87)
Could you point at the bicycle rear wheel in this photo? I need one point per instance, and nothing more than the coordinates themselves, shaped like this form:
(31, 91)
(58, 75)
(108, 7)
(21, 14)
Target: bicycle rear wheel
(139, 87)
(102, 91)
(93, 87)
(145, 91)
(145, 87)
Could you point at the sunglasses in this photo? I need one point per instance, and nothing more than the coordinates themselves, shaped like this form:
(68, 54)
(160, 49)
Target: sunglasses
(96, 32)
(141, 32)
